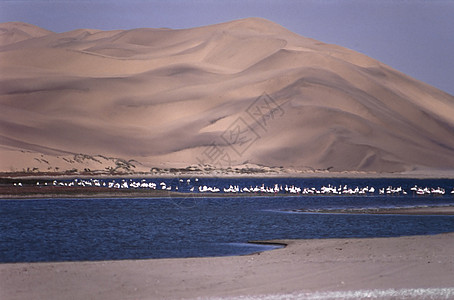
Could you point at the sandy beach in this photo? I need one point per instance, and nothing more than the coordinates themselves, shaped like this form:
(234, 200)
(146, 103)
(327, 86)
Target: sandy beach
(420, 267)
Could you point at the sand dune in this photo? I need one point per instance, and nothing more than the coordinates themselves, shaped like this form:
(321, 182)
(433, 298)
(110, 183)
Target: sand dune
(169, 98)
(14, 32)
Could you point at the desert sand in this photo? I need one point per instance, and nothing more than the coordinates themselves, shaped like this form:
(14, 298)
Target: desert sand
(418, 266)
(243, 92)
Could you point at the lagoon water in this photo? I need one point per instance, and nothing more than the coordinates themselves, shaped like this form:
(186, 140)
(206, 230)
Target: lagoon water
(112, 229)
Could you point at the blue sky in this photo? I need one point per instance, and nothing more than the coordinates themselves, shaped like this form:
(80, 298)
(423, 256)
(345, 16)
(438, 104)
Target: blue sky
(413, 36)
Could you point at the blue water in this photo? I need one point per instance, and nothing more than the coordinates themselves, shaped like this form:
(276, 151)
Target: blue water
(112, 229)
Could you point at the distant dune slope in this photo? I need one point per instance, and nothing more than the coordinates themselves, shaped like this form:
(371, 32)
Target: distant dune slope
(13, 32)
(243, 92)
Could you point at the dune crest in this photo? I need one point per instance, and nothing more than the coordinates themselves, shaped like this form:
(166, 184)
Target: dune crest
(13, 32)
(226, 95)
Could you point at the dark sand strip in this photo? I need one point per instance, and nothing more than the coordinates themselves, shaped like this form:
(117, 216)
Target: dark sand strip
(429, 210)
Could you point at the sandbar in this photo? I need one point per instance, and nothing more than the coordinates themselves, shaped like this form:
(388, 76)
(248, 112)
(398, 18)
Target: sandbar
(420, 267)
(440, 210)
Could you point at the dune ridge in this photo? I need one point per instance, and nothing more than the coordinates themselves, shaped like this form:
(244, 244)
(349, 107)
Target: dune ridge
(245, 92)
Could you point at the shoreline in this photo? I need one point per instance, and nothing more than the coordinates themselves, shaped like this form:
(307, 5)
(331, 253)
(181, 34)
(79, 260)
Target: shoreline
(303, 266)
(40, 187)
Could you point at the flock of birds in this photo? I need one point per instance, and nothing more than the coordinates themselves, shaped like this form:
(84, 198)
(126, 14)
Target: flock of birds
(193, 187)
